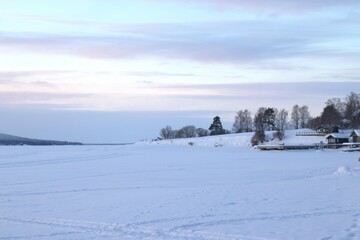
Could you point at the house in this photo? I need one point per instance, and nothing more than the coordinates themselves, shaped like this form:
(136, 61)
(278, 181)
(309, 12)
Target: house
(355, 136)
(335, 140)
(323, 129)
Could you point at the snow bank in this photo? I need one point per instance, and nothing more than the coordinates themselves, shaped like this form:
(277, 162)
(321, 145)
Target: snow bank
(342, 171)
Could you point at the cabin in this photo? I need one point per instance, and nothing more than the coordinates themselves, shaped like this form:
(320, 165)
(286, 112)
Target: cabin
(355, 136)
(326, 129)
(321, 130)
(335, 140)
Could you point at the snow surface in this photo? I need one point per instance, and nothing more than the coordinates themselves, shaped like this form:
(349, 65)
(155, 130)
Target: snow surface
(156, 191)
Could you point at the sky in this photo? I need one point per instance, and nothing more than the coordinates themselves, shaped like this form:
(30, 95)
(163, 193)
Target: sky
(117, 71)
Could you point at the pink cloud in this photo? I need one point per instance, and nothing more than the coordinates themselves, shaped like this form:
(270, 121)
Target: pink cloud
(272, 5)
(155, 97)
(232, 43)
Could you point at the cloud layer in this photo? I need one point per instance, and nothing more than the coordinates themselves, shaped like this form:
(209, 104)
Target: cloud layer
(165, 97)
(228, 42)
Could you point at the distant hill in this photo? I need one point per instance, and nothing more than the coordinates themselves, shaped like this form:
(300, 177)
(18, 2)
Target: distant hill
(6, 139)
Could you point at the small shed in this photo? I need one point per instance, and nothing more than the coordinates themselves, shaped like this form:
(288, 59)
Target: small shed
(355, 136)
(335, 140)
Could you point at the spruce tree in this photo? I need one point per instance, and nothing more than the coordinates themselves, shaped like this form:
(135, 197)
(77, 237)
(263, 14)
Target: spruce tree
(216, 127)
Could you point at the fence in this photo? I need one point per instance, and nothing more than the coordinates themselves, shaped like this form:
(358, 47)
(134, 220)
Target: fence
(308, 134)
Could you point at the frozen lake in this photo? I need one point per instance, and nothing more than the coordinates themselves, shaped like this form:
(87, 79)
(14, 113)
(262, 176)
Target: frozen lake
(177, 192)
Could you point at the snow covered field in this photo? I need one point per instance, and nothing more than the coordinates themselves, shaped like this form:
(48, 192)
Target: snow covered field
(177, 192)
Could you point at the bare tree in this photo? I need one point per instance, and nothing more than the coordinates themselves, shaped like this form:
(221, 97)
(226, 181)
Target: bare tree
(167, 133)
(190, 131)
(200, 132)
(338, 104)
(269, 117)
(314, 122)
(243, 121)
(295, 116)
(330, 116)
(355, 119)
(260, 125)
(281, 119)
(304, 116)
(187, 132)
(352, 106)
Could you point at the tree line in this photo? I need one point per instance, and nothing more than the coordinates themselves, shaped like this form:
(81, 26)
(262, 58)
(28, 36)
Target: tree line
(344, 113)
(190, 131)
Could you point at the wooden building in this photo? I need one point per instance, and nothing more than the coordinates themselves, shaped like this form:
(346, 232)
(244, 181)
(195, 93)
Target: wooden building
(355, 136)
(335, 140)
(323, 129)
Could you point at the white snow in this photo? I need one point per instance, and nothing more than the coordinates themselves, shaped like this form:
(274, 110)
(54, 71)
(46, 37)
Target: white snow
(342, 171)
(163, 191)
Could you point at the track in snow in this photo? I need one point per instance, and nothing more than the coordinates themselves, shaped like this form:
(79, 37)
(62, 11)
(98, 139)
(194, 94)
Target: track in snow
(113, 230)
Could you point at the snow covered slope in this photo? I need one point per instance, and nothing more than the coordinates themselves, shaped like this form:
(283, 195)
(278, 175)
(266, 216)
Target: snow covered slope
(291, 138)
(166, 192)
(242, 139)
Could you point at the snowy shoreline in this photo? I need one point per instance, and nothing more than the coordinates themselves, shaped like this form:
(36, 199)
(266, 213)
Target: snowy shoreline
(178, 192)
(240, 140)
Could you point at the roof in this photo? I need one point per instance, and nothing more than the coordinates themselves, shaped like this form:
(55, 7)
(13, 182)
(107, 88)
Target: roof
(346, 131)
(323, 126)
(356, 131)
(337, 135)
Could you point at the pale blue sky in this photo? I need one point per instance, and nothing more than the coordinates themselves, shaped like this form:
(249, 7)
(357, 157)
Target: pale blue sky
(149, 58)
